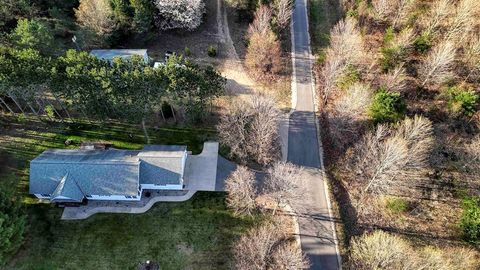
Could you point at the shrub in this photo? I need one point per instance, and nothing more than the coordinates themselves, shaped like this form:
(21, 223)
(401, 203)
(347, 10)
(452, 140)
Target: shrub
(387, 107)
(187, 51)
(49, 110)
(462, 102)
(422, 43)
(349, 77)
(470, 219)
(212, 51)
(397, 205)
(381, 250)
(389, 35)
(391, 57)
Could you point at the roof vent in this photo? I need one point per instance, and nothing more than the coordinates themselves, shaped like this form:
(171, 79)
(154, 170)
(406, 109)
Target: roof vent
(95, 145)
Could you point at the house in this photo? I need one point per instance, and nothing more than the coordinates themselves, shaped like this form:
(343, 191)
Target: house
(122, 53)
(73, 175)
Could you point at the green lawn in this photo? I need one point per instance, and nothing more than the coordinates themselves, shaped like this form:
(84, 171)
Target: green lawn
(195, 234)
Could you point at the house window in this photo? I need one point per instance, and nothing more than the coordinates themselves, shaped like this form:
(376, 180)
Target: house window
(45, 195)
(88, 196)
(128, 197)
(134, 197)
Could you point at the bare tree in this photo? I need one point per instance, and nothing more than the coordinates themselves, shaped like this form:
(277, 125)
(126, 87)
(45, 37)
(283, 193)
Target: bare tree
(233, 129)
(349, 111)
(96, 15)
(387, 156)
(464, 20)
(395, 80)
(418, 133)
(263, 134)
(346, 48)
(404, 9)
(263, 56)
(390, 160)
(283, 183)
(437, 17)
(405, 38)
(384, 9)
(185, 14)
(471, 56)
(438, 65)
(289, 256)
(250, 130)
(268, 246)
(381, 250)
(240, 187)
(261, 22)
(283, 12)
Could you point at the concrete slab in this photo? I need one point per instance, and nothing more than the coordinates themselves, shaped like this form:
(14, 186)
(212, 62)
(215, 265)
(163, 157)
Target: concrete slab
(201, 170)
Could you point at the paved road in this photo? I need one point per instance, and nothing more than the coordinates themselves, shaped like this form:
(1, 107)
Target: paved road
(316, 230)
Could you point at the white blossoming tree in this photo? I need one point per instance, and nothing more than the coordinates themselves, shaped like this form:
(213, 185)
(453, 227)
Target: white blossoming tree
(179, 14)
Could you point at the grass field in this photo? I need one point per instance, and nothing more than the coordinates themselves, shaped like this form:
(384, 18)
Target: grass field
(195, 234)
(192, 235)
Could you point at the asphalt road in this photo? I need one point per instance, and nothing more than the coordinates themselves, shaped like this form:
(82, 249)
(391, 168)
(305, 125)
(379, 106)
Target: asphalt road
(316, 230)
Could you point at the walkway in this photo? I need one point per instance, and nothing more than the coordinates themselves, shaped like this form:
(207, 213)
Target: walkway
(317, 232)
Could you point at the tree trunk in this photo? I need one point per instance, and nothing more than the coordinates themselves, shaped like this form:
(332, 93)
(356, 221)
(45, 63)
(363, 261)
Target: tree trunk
(173, 113)
(163, 116)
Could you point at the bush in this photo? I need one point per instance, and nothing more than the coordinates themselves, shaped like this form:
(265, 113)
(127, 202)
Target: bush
(49, 110)
(387, 107)
(422, 43)
(461, 101)
(187, 51)
(397, 205)
(380, 250)
(389, 35)
(470, 219)
(212, 51)
(349, 77)
(392, 56)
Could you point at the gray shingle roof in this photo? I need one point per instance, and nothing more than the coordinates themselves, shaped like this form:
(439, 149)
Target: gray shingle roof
(68, 189)
(74, 173)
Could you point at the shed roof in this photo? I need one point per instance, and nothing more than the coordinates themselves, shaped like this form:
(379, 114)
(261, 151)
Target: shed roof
(122, 53)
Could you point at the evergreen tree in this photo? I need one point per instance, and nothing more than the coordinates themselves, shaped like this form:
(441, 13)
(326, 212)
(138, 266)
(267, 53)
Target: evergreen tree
(12, 226)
